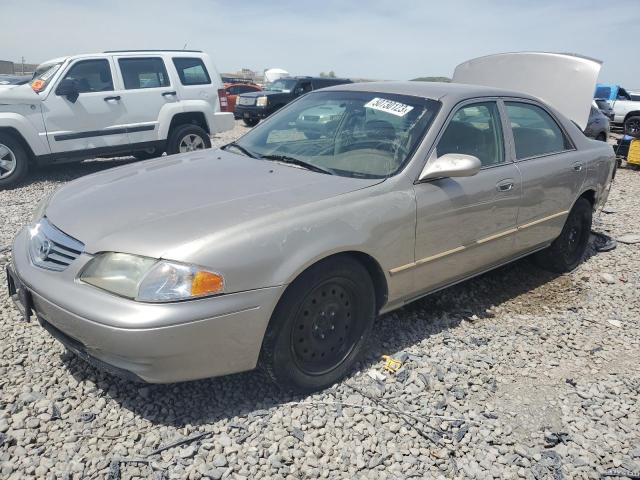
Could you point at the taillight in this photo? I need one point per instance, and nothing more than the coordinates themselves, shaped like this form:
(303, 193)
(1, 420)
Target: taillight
(224, 101)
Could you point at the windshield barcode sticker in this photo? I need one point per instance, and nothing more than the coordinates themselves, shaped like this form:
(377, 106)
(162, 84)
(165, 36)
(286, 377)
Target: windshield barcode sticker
(389, 106)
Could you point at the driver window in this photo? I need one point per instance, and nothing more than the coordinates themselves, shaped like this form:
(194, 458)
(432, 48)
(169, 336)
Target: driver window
(475, 130)
(91, 76)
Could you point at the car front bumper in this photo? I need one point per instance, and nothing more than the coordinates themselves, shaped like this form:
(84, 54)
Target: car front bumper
(156, 343)
(250, 112)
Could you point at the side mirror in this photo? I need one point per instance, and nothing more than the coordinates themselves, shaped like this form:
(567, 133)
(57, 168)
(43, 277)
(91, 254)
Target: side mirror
(68, 87)
(451, 165)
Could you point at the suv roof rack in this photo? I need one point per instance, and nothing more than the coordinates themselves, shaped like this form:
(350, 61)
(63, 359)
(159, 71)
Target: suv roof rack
(147, 50)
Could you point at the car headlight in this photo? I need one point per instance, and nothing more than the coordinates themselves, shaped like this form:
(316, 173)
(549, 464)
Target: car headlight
(262, 101)
(150, 280)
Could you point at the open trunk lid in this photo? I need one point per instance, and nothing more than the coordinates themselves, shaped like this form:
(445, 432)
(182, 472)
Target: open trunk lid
(564, 81)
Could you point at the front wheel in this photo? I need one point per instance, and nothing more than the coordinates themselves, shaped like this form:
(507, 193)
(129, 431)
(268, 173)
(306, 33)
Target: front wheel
(251, 122)
(318, 328)
(632, 126)
(187, 138)
(14, 161)
(567, 251)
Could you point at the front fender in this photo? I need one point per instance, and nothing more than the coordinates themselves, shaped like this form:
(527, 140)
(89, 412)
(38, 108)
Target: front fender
(28, 123)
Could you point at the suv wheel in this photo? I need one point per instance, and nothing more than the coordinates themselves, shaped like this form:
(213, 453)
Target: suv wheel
(14, 161)
(318, 328)
(251, 122)
(632, 125)
(567, 251)
(187, 138)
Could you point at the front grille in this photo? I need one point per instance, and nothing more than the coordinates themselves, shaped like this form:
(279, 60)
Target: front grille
(51, 248)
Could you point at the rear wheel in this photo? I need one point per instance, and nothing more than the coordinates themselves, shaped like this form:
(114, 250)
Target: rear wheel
(14, 161)
(567, 251)
(251, 122)
(187, 138)
(632, 126)
(318, 329)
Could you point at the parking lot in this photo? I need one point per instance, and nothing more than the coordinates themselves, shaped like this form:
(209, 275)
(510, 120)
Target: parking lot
(516, 374)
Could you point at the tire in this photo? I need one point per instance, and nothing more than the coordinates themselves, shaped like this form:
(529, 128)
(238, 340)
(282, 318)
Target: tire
(319, 326)
(602, 137)
(187, 138)
(14, 161)
(567, 251)
(148, 154)
(251, 122)
(632, 126)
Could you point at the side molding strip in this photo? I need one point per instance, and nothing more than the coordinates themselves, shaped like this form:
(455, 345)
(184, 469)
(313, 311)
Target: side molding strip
(102, 133)
(511, 231)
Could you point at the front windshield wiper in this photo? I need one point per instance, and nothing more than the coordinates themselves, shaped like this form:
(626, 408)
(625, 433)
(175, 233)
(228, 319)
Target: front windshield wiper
(241, 148)
(298, 162)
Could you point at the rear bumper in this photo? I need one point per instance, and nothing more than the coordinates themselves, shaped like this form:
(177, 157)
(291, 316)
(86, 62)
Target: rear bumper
(156, 343)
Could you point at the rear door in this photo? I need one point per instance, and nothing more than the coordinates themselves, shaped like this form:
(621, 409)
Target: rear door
(94, 121)
(467, 224)
(551, 169)
(146, 88)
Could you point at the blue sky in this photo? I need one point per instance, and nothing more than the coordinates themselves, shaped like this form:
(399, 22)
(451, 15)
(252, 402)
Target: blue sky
(396, 39)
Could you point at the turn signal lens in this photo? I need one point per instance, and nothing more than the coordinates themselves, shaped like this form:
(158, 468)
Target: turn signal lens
(206, 283)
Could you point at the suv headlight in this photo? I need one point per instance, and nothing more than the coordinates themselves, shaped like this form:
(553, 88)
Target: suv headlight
(262, 101)
(150, 280)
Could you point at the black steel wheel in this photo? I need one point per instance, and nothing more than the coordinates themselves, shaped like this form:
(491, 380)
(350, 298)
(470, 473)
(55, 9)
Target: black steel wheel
(567, 251)
(319, 326)
(632, 126)
(251, 122)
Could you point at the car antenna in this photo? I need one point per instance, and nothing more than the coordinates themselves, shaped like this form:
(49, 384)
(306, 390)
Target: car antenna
(185, 46)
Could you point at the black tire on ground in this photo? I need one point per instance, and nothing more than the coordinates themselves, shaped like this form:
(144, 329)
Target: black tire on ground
(567, 251)
(14, 161)
(184, 134)
(319, 326)
(632, 126)
(147, 154)
(251, 122)
(602, 137)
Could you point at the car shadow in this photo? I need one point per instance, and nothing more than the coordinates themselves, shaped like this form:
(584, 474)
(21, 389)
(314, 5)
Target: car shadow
(65, 172)
(206, 401)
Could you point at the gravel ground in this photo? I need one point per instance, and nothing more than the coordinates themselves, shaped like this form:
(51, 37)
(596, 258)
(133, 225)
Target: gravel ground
(517, 374)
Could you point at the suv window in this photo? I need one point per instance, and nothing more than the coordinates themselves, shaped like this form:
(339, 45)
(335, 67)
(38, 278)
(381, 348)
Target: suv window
(635, 97)
(192, 71)
(475, 130)
(91, 76)
(143, 73)
(535, 132)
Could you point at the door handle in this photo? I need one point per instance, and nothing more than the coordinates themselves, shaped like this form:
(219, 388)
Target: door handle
(504, 187)
(117, 97)
(577, 167)
(172, 93)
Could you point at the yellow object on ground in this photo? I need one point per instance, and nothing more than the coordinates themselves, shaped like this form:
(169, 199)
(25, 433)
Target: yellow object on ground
(633, 157)
(391, 364)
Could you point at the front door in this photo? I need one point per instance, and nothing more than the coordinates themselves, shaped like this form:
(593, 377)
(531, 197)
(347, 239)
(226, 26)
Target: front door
(94, 120)
(552, 173)
(465, 225)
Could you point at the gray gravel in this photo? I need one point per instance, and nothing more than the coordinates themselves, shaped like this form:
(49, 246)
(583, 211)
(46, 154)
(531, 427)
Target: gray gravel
(517, 374)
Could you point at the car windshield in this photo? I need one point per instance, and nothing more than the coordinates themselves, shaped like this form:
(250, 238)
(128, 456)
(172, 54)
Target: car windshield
(43, 75)
(282, 85)
(354, 134)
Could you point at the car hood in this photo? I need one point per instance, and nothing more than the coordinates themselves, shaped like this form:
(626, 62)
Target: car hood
(167, 207)
(19, 95)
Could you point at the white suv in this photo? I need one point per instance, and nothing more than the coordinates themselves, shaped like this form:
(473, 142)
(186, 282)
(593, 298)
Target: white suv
(140, 103)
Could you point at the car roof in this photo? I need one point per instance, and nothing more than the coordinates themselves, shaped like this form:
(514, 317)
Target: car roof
(432, 90)
(126, 52)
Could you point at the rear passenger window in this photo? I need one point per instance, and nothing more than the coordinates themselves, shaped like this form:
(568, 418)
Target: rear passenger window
(143, 73)
(475, 130)
(535, 132)
(192, 71)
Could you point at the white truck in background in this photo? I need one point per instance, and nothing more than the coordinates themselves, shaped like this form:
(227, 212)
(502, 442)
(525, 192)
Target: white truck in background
(626, 106)
(136, 102)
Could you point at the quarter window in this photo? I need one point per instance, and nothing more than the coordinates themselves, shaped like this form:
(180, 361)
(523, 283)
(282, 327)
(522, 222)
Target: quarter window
(535, 132)
(140, 73)
(192, 71)
(91, 76)
(475, 130)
